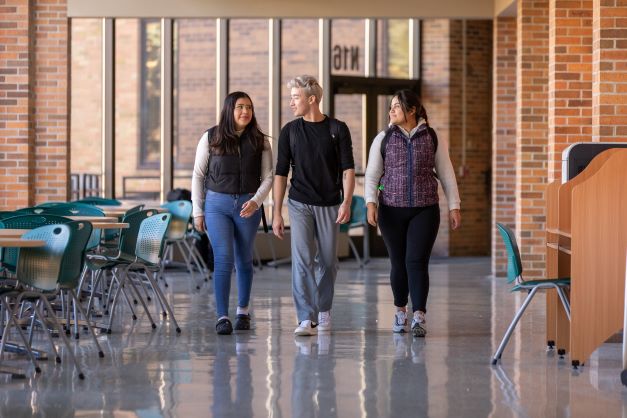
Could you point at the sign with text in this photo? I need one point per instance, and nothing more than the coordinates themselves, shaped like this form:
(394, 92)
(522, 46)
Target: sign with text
(345, 58)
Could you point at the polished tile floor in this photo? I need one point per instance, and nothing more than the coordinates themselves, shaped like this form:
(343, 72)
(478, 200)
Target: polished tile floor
(359, 370)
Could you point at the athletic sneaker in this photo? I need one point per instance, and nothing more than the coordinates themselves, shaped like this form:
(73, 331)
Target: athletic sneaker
(324, 321)
(419, 324)
(400, 322)
(306, 328)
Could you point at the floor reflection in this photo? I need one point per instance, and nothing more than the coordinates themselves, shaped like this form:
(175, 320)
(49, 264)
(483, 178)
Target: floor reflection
(360, 369)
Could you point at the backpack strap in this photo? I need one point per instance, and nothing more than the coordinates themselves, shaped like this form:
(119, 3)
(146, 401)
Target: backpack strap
(334, 127)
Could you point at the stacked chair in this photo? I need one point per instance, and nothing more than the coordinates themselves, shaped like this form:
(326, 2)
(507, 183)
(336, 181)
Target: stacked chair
(136, 265)
(41, 274)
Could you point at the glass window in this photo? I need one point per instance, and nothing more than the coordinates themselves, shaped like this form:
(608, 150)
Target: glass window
(299, 55)
(349, 108)
(348, 47)
(86, 107)
(393, 48)
(248, 63)
(137, 108)
(194, 91)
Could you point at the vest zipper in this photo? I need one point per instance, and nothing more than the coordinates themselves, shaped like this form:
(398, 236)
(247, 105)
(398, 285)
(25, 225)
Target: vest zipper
(409, 172)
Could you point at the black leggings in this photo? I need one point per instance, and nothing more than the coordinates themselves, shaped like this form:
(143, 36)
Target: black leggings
(409, 235)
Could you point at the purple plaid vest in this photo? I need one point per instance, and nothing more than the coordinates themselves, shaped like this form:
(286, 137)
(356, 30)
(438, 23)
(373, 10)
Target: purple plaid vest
(408, 178)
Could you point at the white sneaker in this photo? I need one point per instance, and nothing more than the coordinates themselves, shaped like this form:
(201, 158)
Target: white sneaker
(306, 328)
(419, 324)
(324, 321)
(400, 322)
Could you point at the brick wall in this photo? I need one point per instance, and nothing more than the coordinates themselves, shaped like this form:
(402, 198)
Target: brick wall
(442, 81)
(609, 117)
(51, 100)
(473, 152)
(570, 78)
(436, 97)
(33, 102)
(532, 132)
(503, 137)
(16, 130)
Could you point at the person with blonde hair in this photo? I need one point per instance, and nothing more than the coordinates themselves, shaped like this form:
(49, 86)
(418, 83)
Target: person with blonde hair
(319, 151)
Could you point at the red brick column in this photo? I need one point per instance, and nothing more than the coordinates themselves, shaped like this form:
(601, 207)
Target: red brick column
(16, 130)
(609, 68)
(33, 102)
(503, 137)
(473, 152)
(570, 78)
(436, 97)
(532, 132)
(51, 93)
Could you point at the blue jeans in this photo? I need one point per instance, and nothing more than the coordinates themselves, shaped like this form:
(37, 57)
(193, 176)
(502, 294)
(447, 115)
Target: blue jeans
(232, 238)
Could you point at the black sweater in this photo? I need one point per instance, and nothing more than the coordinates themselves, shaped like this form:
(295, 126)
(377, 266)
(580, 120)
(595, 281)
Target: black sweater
(314, 156)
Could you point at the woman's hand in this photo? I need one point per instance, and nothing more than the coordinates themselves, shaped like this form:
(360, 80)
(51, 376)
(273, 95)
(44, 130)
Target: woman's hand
(373, 216)
(199, 223)
(455, 219)
(248, 209)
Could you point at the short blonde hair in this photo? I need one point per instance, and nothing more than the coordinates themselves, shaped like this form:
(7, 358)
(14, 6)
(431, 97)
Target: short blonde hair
(309, 84)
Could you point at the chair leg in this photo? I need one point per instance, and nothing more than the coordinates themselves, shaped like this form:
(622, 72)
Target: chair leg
(564, 299)
(512, 326)
(188, 263)
(161, 296)
(38, 311)
(64, 338)
(141, 300)
(202, 266)
(78, 306)
(354, 250)
(12, 322)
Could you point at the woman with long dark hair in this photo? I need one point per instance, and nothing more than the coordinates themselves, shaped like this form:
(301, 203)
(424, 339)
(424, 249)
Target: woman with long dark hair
(232, 177)
(404, 164)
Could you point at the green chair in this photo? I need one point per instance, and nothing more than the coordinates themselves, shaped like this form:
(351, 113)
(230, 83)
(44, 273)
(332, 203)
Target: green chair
(149, 252)
(24, 221)
(514, 275)
(358, 220)
(100, 264)
(78, 209)
(181, 211)
(71, 270)
(40, 269)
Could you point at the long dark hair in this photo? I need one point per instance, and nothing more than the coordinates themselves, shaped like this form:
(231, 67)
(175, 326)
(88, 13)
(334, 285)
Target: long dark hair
(408, 99)
(225, 139)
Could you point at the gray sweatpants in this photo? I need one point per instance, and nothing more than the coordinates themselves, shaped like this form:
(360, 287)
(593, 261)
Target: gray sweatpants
(314, 257)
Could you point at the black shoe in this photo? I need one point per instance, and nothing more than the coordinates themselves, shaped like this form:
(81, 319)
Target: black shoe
(224, 327)
(242, 322)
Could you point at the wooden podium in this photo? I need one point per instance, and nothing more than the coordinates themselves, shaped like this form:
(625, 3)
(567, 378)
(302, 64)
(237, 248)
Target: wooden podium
(586, 238)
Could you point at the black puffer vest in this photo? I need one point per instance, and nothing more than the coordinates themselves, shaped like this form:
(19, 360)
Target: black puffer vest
(234, 174)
